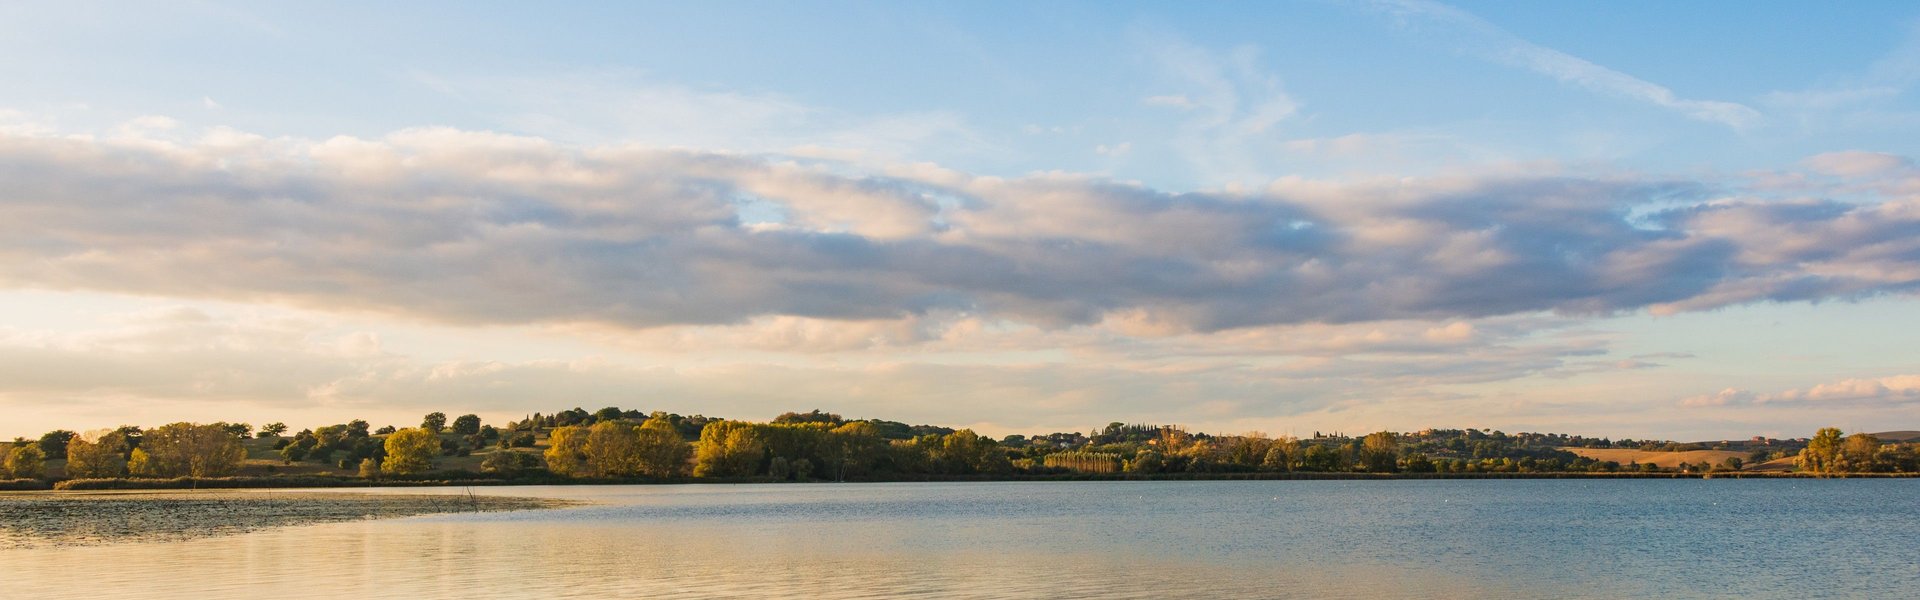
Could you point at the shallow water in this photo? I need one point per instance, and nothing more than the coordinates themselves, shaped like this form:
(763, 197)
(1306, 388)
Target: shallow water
(1278, 539)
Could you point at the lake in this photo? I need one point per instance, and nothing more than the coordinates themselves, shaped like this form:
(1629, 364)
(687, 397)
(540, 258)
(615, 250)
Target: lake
(1751, 538)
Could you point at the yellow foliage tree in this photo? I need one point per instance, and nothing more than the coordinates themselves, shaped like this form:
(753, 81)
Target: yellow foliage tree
(567, 452)
(92, 459)
(661, 451)
(1380, 452)
(410, 451)
(728, 449)
(613, 449)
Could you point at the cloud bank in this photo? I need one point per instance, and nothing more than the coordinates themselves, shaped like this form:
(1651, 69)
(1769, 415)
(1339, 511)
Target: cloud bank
(482, 228)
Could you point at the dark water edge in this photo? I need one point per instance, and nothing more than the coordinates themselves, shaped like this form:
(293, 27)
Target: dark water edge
(474, 479)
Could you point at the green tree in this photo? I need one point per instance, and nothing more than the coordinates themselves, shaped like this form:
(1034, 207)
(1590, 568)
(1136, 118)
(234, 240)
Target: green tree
(1146, 461)
(467, 425)
(1419, 463)
(410, 451)
(27, 461)
(273, 429)
(510, 463)
(370, 468)
(1283, 455)
(54, 443)
(1318, 458)
(434, 422)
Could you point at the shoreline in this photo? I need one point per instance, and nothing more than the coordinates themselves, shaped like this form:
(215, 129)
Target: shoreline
(30, 520)
(456, 480)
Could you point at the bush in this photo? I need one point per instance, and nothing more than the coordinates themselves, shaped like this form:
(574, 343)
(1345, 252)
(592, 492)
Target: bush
(510, 463)
(24, 485)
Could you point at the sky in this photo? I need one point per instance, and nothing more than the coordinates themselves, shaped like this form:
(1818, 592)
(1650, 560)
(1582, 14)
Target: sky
(1627, 219)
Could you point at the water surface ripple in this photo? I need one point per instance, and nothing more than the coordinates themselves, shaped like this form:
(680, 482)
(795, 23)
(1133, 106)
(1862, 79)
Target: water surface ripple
(1238, 539)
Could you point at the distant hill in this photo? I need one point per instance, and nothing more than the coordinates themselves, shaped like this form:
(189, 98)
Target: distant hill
(1663, 459)
(1898, 436)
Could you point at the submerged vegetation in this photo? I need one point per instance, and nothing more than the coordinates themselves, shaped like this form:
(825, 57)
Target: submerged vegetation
(627, 445)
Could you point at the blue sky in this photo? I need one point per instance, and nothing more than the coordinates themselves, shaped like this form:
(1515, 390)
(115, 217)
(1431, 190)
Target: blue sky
(1628, 219)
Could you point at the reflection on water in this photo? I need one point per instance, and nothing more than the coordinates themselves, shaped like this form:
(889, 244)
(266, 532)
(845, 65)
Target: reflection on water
(1307, 539)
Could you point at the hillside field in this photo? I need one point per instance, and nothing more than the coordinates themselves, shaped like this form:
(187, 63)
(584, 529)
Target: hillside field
(1665, 460)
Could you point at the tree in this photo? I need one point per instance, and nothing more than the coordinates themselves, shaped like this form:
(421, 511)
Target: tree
(661, 451)
(1318, 458)
(188, 450)
(519, 439)
(1146, 461)
(728, 449)
(434, 422)
(613, 449)
(1858, 453)
(97, 459)
(27, 461)
(510, 463)
(814, 416)
(54, 443)
(273, 429)
(1419, 463)
(965, 452)
(1283, 455)
(567, 451)
(1822, 454)
(857, 446)
(1380, 452)
(467, 425)
(410, 451)
(239, 430)
(369, 468)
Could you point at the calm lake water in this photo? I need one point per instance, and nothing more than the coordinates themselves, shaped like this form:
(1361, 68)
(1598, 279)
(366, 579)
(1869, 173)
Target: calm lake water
(1270, 539)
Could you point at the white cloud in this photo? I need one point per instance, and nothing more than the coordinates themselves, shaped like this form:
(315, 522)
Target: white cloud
(472, 227)
(1893, 390)
(1231, 105)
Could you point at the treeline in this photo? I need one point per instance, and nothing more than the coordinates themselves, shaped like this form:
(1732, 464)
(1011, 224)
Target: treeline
(1831, 451)
(821, 446)
(617, 444)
